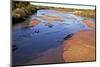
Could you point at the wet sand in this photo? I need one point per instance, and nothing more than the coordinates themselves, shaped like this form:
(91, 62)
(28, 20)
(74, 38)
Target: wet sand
(80, 47)
(89, 23)
(45, 17)
(34, 22)
(54, 55)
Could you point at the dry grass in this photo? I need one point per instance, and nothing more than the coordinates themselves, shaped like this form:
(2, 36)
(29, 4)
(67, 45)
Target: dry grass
(85, 13)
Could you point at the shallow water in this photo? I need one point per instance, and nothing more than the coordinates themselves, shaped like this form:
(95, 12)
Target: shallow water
(31, 44)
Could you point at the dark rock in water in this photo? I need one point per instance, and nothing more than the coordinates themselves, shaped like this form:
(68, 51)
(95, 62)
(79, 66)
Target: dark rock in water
(14, 47)
(50, 26)
(37, 31)
(68, 36)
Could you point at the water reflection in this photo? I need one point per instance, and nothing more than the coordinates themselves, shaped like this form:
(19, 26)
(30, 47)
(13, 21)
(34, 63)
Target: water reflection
(47, 34)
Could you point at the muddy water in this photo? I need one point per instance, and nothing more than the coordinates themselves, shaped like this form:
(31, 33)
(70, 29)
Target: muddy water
(33, 41)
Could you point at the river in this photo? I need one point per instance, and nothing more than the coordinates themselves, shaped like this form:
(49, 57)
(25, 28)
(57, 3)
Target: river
(31, 44)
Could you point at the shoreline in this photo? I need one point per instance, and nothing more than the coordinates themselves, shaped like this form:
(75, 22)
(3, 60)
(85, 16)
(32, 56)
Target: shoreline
(80, 47)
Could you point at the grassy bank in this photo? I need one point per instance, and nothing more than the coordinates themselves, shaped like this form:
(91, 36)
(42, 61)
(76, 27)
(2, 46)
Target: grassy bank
(86, 13)
(21, 11)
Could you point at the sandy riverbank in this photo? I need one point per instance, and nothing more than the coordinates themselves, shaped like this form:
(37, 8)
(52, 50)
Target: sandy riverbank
(80, 47)
(89, 23)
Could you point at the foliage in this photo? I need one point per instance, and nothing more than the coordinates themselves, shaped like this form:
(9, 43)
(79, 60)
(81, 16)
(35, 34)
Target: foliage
(22, 10)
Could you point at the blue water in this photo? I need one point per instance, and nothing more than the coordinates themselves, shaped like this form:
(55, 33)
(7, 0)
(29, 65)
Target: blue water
(31, 44)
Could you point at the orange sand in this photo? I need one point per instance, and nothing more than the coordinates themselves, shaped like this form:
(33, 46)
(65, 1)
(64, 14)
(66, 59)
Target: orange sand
(34, 22)
(89, 23)
(80, 47)
(48, 24)
(49, 17)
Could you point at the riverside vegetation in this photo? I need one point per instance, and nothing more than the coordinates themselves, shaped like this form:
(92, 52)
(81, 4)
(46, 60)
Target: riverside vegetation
(21, 11)
(69, 36)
